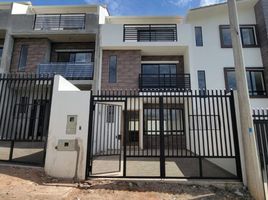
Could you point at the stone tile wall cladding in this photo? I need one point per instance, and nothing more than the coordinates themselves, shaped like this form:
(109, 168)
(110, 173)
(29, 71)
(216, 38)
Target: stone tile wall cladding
(71, 45)
(261, 12)
(129, 67)
(38, 52)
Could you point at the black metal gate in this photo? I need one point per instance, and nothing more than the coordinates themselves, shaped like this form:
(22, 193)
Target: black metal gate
(24, 117)
(175, 134)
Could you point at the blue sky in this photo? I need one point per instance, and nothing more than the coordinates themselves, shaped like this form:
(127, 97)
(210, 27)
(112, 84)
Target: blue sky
(137, 7)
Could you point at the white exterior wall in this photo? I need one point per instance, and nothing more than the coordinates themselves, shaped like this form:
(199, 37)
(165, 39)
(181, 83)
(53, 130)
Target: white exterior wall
(211, 57)
(67, 100)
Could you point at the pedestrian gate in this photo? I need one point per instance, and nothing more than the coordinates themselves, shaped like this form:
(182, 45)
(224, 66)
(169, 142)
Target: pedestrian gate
(159, 134)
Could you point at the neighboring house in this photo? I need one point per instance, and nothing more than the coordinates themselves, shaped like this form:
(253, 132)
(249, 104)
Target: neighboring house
(51, 39)
(173, 52)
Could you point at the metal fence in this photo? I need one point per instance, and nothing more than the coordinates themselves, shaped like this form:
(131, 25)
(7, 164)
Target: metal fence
(24, 116)
(150, 32)
(59, 22)
(260, 118)
(174, 134)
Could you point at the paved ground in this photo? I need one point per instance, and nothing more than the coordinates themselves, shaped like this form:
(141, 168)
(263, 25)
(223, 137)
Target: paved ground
(32, 184)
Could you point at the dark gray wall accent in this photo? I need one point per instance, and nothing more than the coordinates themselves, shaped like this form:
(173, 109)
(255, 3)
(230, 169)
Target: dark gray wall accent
(261, 13)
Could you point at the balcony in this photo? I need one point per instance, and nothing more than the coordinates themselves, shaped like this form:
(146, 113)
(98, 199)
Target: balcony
(164, 81)
(59, 22)
(81, 71)
(150, 33)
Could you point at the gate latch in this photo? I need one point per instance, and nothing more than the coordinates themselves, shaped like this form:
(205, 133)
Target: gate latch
(118, 137)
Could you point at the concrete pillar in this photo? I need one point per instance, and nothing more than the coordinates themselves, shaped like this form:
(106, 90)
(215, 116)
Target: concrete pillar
(253, 169)
(7, 53)
(97, 64)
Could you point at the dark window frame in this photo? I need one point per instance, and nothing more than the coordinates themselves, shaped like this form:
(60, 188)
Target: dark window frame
(20, 67)
(114, 80)
(201, 32)
(205, 80)
(248, 69)
(110, 115)
(174, 64)
(75, 52)
(254, 26)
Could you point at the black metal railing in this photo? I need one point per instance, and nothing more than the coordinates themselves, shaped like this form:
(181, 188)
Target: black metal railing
(150, 32)
(163, 81)
(181, 127)
(260, 119)
(68, 70)
(59, 22)
(25, 101)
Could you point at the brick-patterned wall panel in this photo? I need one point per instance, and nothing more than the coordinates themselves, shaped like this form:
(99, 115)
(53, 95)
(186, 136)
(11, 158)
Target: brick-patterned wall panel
(71, 45)
(180, 59)
(38, 52)
(261, 12)
(128, 69)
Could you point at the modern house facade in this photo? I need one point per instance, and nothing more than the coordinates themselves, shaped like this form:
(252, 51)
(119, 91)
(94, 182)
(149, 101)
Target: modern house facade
(161, 96)
(52, 40)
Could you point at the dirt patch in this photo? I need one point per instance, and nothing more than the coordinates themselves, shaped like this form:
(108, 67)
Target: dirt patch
(27, 184)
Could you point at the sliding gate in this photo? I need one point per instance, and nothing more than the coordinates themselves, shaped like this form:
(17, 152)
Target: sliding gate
(189, 134)
(24, 116)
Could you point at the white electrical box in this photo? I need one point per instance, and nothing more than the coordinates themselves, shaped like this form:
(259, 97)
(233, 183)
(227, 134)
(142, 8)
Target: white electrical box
(71, 124)
(67, 145)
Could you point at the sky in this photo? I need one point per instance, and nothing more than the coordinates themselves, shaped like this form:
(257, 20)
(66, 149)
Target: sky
(136, 7)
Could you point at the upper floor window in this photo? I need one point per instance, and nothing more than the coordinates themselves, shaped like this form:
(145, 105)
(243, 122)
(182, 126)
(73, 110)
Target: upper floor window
(75, 57)
(201, 79)
(1, 52)
(248, 36)
(23, 57)
(112, 69)
(198, 36)
(255, 80)
(158, 69)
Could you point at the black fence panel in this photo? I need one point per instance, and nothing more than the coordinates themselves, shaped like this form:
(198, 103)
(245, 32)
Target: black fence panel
(164, 134)
(24, 116)
(260, 118)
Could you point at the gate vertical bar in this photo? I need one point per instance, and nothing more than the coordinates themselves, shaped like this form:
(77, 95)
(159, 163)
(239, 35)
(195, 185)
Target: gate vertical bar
(162, 139)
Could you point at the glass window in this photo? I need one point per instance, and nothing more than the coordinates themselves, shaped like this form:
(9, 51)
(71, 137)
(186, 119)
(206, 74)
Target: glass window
(255, 80)
(1, 52)
(23, 57)
(112, 69)
(248, 36)
(159, 69)
(226, 39)
(150, 69)
(110, 114)
(198, 36)
(75, 57)
(201, 79)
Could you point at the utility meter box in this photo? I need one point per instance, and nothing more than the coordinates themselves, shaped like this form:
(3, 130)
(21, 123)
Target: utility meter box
(71, 124)
(67, 145)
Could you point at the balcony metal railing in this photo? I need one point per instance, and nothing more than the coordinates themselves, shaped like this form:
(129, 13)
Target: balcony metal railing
(150, 33)
(164, 81)
(68, 70)
(60, 22)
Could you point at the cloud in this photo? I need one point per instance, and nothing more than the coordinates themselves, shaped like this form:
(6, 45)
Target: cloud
(210, 2)
(114, 6)
(180, 3)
